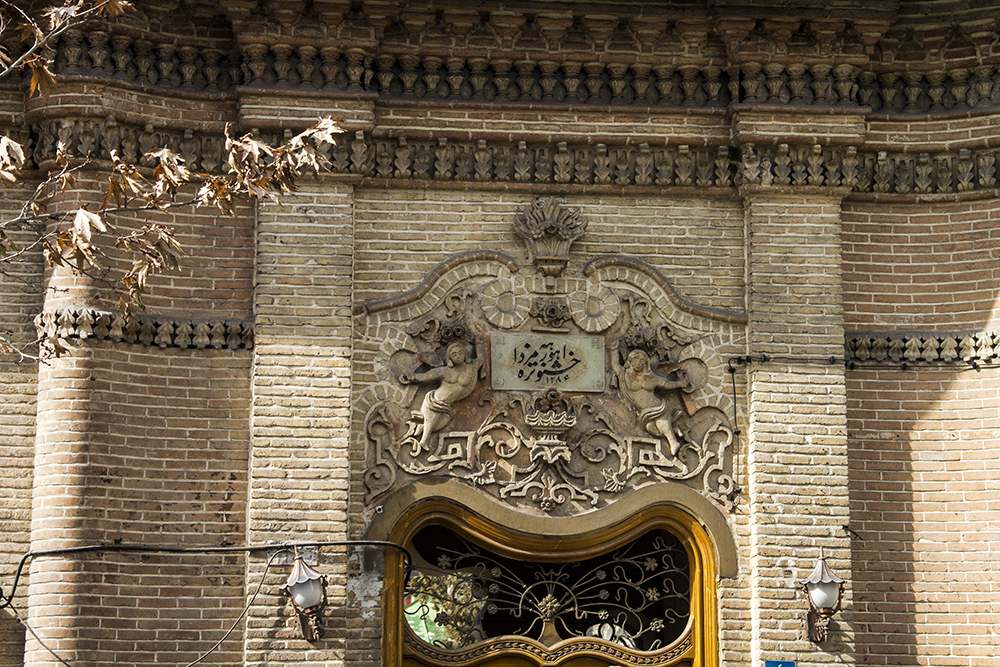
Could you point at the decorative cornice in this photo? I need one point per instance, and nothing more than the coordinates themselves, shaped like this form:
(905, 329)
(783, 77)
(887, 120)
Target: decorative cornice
(584, 74)
(869, 172)
(924, 347)
(439, 160)
(146, 329)
(565, 164)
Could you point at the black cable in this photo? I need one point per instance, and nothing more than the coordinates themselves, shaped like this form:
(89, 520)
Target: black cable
(736, 432)
(904, 365)
(267, 567)
(898, 364)
(37, 638)
(830, 360)
(260, 584)
(140, 548)
(282, 547)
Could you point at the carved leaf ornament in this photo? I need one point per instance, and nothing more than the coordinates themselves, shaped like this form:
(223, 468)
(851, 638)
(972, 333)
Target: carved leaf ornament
(549, 230)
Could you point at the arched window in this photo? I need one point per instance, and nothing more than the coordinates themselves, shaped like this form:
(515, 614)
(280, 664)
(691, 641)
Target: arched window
(461, 593)
(607, 588)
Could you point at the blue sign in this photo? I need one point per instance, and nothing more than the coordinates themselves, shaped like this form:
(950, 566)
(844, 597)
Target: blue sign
(779, 663)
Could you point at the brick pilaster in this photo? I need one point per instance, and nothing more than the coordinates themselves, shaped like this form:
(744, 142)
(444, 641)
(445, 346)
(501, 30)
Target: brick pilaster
(797, 445)
(301, 412)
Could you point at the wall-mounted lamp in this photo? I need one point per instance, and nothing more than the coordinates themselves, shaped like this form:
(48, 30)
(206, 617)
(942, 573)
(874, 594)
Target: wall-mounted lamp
(306, 588)
(824, 590)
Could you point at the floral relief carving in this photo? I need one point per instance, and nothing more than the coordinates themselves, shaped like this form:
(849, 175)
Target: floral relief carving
(504, 303)
(552, 395)
(922, 347)
(552, 313)
(594, 308)
(549, 230)
(146, 329)
(956, 171)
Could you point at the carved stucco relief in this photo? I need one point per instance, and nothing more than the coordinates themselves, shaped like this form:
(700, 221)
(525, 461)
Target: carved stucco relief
(552, 392)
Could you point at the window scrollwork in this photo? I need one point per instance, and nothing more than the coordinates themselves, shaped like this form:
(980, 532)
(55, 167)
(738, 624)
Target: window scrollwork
(632, 601)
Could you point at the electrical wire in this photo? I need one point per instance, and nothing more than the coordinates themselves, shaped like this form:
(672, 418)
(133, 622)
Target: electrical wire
(736, 432)
(37, 638)
(283, 547)
(791, 359)
(904, 365)
(267, 567)
(204, 655)
(141, 548)
(851, 364)
(207, 653)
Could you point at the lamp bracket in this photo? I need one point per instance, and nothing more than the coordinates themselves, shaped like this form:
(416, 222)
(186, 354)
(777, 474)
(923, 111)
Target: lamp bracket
(286, 555)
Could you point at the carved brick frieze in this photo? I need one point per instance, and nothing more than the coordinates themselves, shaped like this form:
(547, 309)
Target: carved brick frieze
(524, 79)
(146, 329)
(96, 138)
(654, 56)
(121, 54)
(419, 159)
(927, 347)
(869, 172)
(553, 393)
(562, 163)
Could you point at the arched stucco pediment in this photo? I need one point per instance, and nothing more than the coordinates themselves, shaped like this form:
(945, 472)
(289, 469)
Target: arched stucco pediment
(409, 498)
(556, 392)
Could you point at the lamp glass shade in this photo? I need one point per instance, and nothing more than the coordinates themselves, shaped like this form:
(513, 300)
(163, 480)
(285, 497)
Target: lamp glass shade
(304, 585)
(307, 593)
(824, 595)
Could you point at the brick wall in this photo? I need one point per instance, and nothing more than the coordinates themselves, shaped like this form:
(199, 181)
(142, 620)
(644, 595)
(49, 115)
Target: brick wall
(138, 445)
(913, 265)
(924, 482)
(200, 447)
(20, 301)
(696, 242)
(215, 274)
(797, 447)
(300, 414)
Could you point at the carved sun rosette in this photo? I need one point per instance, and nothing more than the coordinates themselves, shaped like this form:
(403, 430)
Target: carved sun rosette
(554, 398)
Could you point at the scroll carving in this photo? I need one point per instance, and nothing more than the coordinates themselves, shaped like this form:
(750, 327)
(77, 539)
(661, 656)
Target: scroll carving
(553, 394)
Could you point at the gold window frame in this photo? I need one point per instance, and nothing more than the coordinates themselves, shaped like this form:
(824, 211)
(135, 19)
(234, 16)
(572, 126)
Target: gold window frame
(692, 519)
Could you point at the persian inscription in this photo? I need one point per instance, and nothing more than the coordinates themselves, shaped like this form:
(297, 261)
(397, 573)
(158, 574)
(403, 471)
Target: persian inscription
(538, 361)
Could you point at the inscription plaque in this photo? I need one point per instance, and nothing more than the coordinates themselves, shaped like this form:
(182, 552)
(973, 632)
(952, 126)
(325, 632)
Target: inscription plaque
(534, 361)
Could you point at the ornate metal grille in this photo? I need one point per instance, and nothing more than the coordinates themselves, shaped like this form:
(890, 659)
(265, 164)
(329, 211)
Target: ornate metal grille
(637, 596)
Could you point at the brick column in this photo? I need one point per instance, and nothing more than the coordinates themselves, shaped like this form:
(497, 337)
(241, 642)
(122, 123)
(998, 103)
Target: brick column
(300, 412)
(797, 444)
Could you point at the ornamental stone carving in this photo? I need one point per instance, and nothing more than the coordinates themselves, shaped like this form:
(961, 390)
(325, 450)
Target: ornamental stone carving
(146, 329)
(549, 230)
(554, 392)
(544, 166)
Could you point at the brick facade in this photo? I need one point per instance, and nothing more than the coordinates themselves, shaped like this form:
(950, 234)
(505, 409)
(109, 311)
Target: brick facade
(811, 192)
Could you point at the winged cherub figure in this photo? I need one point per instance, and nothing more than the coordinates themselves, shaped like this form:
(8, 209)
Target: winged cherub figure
(639, 384)
(456, 380)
